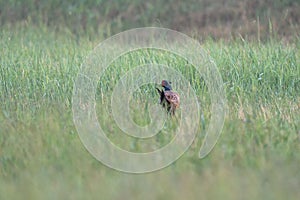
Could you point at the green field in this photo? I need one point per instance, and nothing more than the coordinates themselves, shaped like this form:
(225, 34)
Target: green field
(42, 157)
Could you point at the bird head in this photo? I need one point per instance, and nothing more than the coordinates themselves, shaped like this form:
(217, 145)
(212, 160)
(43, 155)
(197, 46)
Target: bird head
(166, 85)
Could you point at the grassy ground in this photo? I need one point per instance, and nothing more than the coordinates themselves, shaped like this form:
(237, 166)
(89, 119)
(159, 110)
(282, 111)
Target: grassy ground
(41, 156)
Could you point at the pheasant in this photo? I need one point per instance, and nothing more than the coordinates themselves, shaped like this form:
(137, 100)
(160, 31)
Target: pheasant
(168, 98)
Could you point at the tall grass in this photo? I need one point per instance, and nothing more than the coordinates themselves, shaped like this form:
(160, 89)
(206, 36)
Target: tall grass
(41, 156)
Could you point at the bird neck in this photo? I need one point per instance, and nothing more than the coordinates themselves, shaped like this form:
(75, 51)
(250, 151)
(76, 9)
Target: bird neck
(168, 88)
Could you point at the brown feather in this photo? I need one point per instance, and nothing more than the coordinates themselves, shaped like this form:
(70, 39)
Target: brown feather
(172, 98)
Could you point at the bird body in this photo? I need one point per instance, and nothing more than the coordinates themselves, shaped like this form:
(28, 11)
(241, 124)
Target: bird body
(168, 97)
(172, 98)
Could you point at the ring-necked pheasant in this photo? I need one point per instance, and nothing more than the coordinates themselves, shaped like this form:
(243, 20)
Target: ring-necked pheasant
(168, 98)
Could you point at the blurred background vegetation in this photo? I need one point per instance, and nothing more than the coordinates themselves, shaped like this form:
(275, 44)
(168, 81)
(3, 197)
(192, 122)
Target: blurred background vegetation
(227, 19)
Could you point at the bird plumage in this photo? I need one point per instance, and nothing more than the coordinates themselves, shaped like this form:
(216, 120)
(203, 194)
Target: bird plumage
(168, 97)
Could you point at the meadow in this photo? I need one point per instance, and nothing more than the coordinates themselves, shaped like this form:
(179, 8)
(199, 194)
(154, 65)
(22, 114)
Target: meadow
(42, 47)
(42, 157)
